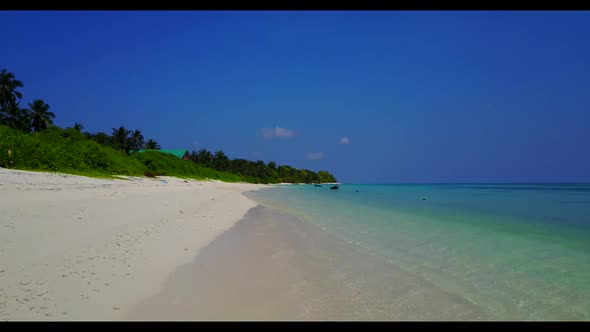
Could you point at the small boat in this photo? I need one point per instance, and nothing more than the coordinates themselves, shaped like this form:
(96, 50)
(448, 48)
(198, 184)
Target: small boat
(317, 185)
(334, 187)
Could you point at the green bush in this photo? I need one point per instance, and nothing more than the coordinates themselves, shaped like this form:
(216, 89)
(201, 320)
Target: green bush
(18, 150)
(158, 164)
(51, 150)
(68, 151)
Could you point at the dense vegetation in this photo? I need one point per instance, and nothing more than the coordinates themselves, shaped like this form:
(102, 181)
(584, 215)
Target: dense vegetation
(29, 140)
(259, 171)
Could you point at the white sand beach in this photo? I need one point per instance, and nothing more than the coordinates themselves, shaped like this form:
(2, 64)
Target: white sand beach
(77, 248)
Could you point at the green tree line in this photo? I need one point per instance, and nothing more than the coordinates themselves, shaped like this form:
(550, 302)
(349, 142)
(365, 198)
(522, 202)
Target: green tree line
(264, 172)
(29, 140)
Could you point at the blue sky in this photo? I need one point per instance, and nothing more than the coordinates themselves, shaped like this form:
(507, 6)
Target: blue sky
(470, 96)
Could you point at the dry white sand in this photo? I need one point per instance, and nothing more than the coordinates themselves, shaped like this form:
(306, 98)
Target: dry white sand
(77, 248)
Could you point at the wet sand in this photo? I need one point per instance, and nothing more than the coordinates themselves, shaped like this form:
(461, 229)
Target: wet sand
(274, 266)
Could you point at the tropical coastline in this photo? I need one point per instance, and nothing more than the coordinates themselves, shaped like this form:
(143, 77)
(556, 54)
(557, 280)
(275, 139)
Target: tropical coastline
(295, 166)
(176, 249)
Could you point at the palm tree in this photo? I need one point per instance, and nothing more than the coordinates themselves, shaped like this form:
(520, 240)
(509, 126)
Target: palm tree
(102, 138)
(136, 141)
(121, 139)
(40, 115)
(17, 118)
(220, 160)
(151, 144)
(78, 126)
(9, 97)
(220, 155)
(205, 157)
(10, 112)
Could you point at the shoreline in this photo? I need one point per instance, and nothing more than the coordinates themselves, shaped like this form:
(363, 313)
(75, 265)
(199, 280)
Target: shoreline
(145, 249)
(273, 266)
(80, 248)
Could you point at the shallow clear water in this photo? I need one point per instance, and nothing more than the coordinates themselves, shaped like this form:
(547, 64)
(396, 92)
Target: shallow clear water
(519, 251)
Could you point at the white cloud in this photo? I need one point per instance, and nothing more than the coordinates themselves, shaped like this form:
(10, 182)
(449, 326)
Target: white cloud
(315, 155)
(279, 132)
(267, 133)
(344, 140)
(283, 132)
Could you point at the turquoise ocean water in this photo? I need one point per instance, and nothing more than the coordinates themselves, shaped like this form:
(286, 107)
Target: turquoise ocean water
(519, 251)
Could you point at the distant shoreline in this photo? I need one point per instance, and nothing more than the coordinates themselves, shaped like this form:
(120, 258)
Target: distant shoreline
(303, 183)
